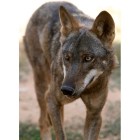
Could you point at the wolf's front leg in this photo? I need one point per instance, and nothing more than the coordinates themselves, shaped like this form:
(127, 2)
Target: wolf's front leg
(92, 126)
(94, 104)
(56, 115)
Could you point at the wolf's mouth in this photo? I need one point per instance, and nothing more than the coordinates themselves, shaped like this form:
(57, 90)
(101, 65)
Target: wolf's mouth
(91, 80)
(74, 95)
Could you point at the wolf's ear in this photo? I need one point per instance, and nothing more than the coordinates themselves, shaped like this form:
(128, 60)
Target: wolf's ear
(68, 22)
(104, 28)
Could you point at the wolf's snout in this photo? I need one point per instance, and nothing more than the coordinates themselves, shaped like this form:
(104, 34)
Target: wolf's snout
(67, 90)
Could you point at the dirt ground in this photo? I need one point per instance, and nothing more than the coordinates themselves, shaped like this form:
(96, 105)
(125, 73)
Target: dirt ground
(29, 109)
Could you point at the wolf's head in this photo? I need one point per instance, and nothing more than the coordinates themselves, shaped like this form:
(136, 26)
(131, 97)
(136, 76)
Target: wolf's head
(87, 54)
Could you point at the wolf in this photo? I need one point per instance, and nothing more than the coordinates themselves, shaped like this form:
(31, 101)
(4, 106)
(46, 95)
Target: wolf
(72, 57)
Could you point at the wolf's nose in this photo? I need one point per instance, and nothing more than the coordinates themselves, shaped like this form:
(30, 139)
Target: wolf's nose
(67, 90)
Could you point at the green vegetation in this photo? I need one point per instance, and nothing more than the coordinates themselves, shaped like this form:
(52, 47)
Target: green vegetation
(116, 74)
(24, 67)
(111, 127)
(30, 132)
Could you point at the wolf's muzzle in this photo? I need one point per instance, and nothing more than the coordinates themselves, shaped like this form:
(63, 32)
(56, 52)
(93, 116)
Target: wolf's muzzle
(67, 90)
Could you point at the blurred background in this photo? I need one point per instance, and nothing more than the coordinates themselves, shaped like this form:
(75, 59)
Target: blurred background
(74, 112)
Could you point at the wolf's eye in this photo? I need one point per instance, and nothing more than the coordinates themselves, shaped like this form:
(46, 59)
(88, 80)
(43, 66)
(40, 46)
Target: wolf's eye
(66, 57)
(88, 58)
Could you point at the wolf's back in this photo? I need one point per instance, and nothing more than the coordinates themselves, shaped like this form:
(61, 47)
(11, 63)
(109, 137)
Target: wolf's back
(43, 30)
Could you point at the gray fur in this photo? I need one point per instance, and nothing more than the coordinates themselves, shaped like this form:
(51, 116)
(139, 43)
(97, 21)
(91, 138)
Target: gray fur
(47, 48)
